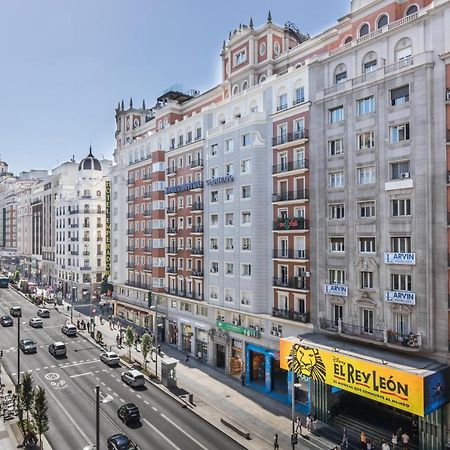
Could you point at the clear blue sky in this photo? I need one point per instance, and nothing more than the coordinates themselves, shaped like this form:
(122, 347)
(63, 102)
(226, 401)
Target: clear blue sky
(66, 63)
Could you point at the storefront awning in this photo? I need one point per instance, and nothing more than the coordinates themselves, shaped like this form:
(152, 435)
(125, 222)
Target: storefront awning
(412, 383)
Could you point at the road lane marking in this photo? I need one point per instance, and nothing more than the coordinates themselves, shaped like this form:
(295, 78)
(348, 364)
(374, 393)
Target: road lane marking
(146, 402)
(154, 409)
(162, 435)
(122, 400)
(80, 374)
(184, 432)
(138, 396)
(116, 394)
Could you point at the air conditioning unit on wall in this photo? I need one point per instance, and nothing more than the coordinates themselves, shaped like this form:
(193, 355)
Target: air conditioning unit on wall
(405, 175)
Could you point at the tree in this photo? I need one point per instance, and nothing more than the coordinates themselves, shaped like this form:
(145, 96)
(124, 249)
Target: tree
(16, 276)
(40, 413)
(129, 340)
(146, 344)
(26, 393)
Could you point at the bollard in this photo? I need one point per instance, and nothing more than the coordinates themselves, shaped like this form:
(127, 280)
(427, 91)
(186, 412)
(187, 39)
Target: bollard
(191, 398)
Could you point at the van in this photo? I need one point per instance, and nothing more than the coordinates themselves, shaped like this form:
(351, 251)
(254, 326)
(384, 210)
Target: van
(57, 349)
(15, 311)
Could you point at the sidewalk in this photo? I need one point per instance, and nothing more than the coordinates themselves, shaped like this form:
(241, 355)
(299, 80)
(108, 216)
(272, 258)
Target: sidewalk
(217, 396)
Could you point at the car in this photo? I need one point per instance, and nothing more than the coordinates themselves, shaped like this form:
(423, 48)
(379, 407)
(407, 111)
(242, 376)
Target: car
(57, 349)
(6, 321)
(110, 358)
(69, 329)
(133, 378)
(121, 442)
(36, 322)
(28, 346)
(129, 413)
(44, 313)
(15, 311)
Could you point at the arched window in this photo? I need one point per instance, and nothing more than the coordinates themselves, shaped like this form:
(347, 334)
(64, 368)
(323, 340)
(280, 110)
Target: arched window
(99, 193)
(262, 78)
(369, 62)
(235, 89)
(403, 49)
(347, 40)
(382, 21)
(364, 30)
(340, 74)
(412, 10)
(245, 85)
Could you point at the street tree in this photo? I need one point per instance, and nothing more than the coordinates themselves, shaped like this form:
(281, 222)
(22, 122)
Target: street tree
(129, 340)
(146, 344)
(40, 413)
(26, 393)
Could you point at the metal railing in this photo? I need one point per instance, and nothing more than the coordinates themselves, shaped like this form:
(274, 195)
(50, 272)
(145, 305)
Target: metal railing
(290, 166)
(292, 283)
(197, 229)
(196, 163)
(197, 206)
(290, 254)
(171, 230)
(171, 269)
(290, 137)
(171, 209)
(290, 315)
(131, 180)
(197, 250)
(172, 249)
(197, 273)
(171, 170)
(290, 195)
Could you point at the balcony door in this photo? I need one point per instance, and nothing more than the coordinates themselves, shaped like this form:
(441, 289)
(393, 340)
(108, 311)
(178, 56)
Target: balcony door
(367, 321)
(284, 247)
(300, 158)
(401, 324)
(283, 162)
(300, 247)
(283, 270)
(283, 187)
(338, 313)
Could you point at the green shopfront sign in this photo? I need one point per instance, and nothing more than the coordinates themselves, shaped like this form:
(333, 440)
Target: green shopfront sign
(237, 329)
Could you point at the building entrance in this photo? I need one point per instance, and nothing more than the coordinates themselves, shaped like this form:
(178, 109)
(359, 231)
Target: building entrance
(220, 356)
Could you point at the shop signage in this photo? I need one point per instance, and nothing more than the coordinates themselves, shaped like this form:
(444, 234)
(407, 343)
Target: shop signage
(108, 228)
(237, 329)
(416, 393)
(183, 187)
(400, 258)
(336, 289)
(402, 297)
(220, 180)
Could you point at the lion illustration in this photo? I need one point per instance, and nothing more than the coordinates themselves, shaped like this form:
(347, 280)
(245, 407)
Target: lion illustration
(308, 362)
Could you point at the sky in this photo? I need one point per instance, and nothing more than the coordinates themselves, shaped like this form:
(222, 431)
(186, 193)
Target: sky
(65, 64)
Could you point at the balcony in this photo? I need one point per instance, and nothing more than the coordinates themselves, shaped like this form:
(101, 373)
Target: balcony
(386, 337)
(86, 253)
(148, 267)
(302, 194)
(171, 210)
(131, 180)
(73, 225)
(290, 137)
(197, 206)
(171, 269)
(131, 248)
(130, 231)
(197, 273)
(197, 250)
(147, 230)
(99, 239)
(180, 292)
(74, 211)
(138, 284)
(99, 225)
(197, 163)
(171, 230)
(298, 101)
(147, 212)
(290, 254)
(85, 268)
(301, 283)
(74, 239)
(172, 250)
(147, 249)
(301, 164)
(147, 194)
(171, 170)
(197, 229)
(130, 265)
(131, 215)
(147, 176)
(281, 107)
(290, 315)
(74, 252)
(290, 223)
(131, 198)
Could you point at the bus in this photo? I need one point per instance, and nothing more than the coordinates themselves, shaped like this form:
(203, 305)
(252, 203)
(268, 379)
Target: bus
(4, 281)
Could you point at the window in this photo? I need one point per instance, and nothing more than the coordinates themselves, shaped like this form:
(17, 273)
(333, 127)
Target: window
(366, 209)
(401, 282)
(299, 95)
(198, 134)
(245, 192)
(367, 245)
(365, 140)
(214, 196)
(382, 21)
(336, 244)
(404, 54)
(336, 179)
(282, 102)
(364, 30)
(411, 10)
(214, 244)
(214, 268)
(336, 276)
(229, 145)
(246, 244)
(401, 244)
(366, 105)
(401, 207)
(400, 95)
(229, 194)
(336, 211)
(340, 77)
(245, 140)
(399, 133)
(347, 40)
(229, 268)
(245, 166)
(214, 220)
(229, 244)
(229, 169)
(366, 280)
(240, 57)
(367, 321)
(246, 270)
(337, 314)
(370, 66)
(336, 147)
(366, 175)
(245, 218)
(399, 170)
(336, 114)
(213, 172)
(213, 150)
(401, 323)
(229, 219)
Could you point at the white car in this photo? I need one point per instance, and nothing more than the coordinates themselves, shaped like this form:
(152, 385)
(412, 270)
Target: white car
(43, 312)
(36, 322)
(69, 329)
(110, 358)
(133, 378)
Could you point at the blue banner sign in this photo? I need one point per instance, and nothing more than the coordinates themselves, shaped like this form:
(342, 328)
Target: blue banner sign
(336, 289)
(220, 180)
(184, 187)
(400, 258)
(402, 297)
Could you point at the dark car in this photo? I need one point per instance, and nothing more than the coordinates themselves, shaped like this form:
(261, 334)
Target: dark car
(6, 321)
(28, 346)
(121, 442)
(129, 413)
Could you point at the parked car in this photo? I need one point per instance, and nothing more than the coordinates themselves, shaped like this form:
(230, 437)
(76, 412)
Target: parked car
(44, 313)
(121, 442)
(15, 311)
(133, 378)
(69, 329)
(110, 358)
(28, 346)
(6, 321)
(129, 413)
(36, 322)
(57, 349)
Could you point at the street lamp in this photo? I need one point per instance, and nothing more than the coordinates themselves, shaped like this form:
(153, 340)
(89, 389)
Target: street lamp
(294, 436)
(71, 307)
(18, 350)
(106, 399)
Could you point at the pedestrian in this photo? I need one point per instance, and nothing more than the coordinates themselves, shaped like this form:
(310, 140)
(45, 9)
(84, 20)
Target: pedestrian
(117, 339)
(89, 327)
(385, 446)
(120, 340)
(187, 362)
(369, 444)
(314, 422)
(78, 324)
(243, 378)
(405, 440)
(363, 440)
(308, 422)
(298, 426)
(275, 442)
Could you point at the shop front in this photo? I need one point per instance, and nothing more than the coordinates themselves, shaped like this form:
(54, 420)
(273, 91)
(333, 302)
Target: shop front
(186, 337)
(385, 389)
(172, 333)
(201, 344)
(236, 358)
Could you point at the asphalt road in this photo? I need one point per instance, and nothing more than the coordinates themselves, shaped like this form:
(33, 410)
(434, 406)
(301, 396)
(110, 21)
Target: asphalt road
(70, 386)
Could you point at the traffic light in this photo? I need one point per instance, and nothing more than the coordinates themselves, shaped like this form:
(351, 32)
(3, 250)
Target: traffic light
(1, 353)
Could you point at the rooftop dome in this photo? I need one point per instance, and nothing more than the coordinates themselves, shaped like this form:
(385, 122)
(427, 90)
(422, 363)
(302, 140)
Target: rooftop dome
(90, 162)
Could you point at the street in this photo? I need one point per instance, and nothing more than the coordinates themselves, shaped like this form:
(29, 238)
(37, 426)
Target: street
(70, 386)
